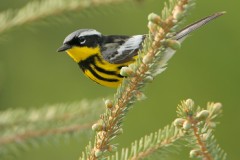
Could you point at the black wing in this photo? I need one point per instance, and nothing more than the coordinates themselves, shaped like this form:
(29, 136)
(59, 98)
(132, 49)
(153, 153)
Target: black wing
(120, 49)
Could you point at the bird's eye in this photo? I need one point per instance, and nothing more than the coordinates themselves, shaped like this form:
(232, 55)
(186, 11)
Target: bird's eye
(82, 40)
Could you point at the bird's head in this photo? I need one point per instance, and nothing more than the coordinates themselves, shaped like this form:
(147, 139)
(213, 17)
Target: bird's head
(81, 44)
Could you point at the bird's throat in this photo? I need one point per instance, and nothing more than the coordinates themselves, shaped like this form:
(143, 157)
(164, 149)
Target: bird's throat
(81, 53)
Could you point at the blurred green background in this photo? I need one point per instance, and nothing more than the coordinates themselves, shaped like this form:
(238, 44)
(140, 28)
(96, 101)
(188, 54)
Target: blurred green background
(206, 68)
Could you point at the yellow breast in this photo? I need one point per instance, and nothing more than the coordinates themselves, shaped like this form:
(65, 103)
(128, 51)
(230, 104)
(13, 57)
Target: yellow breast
(95, 67)
(81, 53)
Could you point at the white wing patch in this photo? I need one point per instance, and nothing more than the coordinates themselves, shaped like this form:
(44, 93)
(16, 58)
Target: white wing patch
(131, 44)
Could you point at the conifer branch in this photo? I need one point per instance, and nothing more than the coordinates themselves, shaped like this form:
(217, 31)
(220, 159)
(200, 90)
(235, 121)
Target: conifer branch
(36, 10)
(185, 130)
(151, 61)
(161, 142)
(199, 124)
(200, 142)
(42, 133)
(18, 127)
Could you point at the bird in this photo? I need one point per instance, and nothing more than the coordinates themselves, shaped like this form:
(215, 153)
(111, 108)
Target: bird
(101, 57)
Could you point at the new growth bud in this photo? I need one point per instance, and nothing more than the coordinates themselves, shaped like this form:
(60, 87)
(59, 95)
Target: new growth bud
(202, 115)
(217, 107)
(178, 122)
(108, 103)
(126, 71)
(194, 153)
(187, 125)
(154, 18)
(148, 78)
(147, 59)
(173, 44)
(189, 102)
(97, 127)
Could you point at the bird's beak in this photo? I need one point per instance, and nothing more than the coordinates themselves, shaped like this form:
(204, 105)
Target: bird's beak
(64, 47)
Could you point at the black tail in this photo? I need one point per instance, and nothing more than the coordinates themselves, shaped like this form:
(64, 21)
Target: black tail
(192, 27)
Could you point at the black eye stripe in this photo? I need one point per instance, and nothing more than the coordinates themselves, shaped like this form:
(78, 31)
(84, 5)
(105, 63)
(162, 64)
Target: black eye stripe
(88, 41)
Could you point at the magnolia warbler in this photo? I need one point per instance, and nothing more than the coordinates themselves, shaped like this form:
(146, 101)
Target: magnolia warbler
(101, 57)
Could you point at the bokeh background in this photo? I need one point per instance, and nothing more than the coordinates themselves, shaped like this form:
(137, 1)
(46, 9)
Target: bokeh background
(206, 68)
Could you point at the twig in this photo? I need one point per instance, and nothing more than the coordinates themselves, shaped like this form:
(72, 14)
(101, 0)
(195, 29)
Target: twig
(35, 134)
(201, 143)
(151, 150)
(36, 10)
